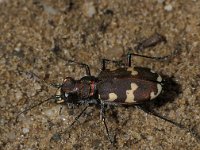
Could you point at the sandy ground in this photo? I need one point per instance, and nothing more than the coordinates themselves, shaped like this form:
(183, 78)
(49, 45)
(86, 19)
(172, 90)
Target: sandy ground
(88, 31)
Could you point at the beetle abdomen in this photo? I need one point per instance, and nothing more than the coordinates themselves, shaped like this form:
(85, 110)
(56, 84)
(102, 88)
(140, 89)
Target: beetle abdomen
(128, 90)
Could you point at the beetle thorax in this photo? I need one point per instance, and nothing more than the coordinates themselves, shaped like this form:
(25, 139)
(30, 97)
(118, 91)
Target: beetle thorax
(86, 89)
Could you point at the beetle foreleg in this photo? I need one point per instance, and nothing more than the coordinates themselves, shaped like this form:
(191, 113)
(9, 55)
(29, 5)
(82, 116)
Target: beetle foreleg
(58, 135)
(105, 61)
(87, 68)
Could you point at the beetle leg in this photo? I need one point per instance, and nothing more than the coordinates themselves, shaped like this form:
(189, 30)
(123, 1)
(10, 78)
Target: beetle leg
(103, 64)
(88, 101)
(60, 111)
(177, 49)
(76, 119)
(146, 109)
(105, 61)
(57, 136)
(56, 49)
(31, 107)
(102, 111)
(129, 55)
(102, 117)
(87, 68)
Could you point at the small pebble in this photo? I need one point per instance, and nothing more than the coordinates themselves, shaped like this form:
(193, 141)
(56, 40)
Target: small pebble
(18, 47)
(160, 1)
(150, 138)
(52, 112)
(50, 10)
(37, 86)
(1, 1)
(89, 9)
(3, 102)
(18, 95)
(25, 130)
(11, 136)
(168, 7)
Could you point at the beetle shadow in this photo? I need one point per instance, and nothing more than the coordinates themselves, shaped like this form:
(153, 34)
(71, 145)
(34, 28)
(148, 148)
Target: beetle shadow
(171, 90)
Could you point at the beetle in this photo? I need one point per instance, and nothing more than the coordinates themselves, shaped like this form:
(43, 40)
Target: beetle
(126, 85)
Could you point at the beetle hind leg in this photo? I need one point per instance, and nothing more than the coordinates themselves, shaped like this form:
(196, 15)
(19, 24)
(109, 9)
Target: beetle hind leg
(192, 131)
(166, 57)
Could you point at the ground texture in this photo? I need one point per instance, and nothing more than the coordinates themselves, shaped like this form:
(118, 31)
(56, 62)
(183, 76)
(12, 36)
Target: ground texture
(87, 31)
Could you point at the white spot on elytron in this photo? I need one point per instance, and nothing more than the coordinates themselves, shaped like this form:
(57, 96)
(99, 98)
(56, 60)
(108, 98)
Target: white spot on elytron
(159, 79)
(112, 97)
(99, 96)
(153, 95)
(130, 93)
(152, 71)
(133, 72)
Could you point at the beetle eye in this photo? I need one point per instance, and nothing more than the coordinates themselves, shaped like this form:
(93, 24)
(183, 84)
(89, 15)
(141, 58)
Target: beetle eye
(66, 94)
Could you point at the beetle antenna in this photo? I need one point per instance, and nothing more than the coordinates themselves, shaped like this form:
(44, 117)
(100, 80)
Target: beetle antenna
(28, 109)
(31, 75)
(55, 85)
(36, 78)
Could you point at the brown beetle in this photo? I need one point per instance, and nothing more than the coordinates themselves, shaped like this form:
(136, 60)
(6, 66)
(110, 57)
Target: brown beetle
(125, 85)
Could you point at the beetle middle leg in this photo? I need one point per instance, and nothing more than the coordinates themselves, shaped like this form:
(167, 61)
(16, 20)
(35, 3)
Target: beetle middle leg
(129, 55)
(85, 66)
(177, 49)
(57, 136)
(102, 117)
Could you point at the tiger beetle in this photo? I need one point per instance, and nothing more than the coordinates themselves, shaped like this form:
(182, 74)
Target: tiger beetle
(126, 86)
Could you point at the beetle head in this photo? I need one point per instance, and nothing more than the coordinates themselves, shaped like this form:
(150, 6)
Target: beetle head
(69, 86)
(67, 91)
